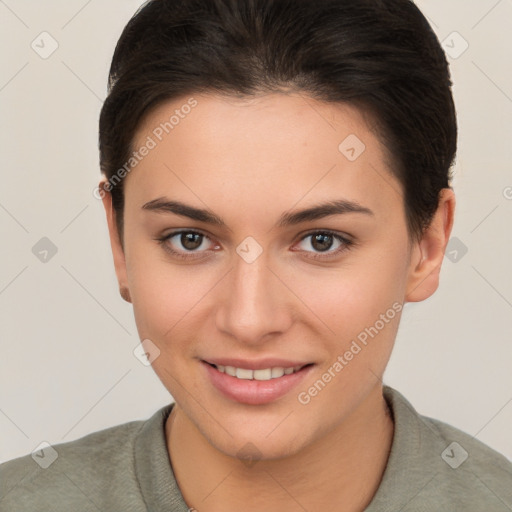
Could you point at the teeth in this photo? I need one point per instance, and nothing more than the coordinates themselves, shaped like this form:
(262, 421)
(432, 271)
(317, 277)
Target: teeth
(277, 372)
(264, 374)
(244, 374)
(230, 370)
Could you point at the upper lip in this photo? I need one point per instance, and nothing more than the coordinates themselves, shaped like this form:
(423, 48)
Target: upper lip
(259, 364)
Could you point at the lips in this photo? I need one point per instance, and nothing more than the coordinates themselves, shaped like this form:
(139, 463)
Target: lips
(256, 385)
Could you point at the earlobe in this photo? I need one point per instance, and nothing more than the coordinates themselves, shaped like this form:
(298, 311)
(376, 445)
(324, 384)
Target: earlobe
(115, 243)
(125, 294)
(428, 253)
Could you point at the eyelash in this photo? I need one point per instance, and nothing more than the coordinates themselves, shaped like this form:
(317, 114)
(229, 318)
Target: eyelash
(346, 244)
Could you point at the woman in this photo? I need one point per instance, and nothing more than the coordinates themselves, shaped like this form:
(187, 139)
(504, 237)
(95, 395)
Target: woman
(276, 181)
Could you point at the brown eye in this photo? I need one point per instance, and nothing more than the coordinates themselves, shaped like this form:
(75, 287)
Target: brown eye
(319, 244)
(186, 244)
(191, 241)
(322, 242)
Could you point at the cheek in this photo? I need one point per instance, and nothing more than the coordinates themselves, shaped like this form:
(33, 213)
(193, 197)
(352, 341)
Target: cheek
(168, 298)
(362, 307)
(354, 295)
(165, 296)
(361, 304)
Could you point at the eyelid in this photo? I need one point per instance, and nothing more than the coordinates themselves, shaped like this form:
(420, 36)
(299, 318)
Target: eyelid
(344, 236)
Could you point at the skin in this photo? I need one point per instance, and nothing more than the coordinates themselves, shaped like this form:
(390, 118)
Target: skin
(249, 161)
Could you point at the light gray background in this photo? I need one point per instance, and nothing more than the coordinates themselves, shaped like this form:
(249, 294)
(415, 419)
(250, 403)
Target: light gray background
(67, 338)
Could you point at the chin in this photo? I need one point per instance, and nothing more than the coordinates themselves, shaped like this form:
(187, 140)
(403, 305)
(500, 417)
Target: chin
(251, 449)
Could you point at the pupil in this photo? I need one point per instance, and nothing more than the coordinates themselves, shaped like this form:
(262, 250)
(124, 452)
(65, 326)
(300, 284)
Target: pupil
(322, 242)
(190, 240)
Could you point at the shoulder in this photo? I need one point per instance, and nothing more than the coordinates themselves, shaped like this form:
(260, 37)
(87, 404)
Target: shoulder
(483, 475)
(80, 472)
(436, 466)
(463, 447)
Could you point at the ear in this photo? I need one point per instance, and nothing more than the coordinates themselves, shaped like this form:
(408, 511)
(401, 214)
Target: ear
(115, 241)
(428, 254)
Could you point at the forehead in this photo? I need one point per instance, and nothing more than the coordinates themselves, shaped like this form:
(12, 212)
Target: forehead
(269, 119)
(287, 146)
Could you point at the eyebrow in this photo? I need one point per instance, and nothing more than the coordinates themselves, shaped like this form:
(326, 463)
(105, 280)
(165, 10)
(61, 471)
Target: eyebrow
(291, 218)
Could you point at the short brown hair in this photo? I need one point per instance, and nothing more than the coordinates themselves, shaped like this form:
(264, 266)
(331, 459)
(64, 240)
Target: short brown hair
(380, 55)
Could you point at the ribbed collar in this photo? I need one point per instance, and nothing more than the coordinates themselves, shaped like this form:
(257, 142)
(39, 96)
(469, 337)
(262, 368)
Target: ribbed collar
(414, 453)
(153, 468)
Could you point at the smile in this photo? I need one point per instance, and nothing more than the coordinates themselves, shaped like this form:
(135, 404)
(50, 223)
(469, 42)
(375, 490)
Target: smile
(255, 386)
(263, 374)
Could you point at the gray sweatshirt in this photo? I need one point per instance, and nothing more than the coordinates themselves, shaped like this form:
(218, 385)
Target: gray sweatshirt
(432, 467)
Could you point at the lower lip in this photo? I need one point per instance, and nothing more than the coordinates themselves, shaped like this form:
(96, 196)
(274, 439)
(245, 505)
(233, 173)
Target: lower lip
(254, 392)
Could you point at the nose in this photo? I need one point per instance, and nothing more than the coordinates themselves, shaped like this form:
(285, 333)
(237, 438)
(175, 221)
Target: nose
(256, 304)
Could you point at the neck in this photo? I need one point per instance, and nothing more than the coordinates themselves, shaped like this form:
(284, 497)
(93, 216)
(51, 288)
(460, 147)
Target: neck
(344, 468)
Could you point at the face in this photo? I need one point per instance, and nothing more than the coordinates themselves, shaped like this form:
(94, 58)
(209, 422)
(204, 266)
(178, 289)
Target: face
(221, 269)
